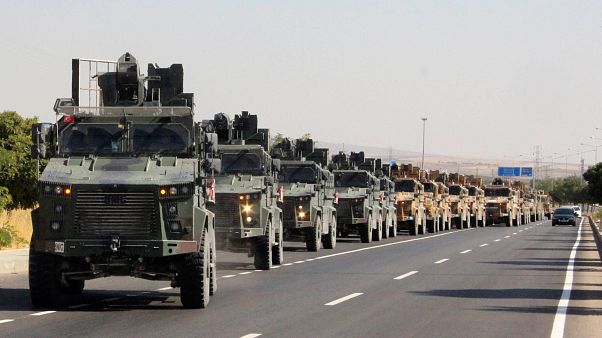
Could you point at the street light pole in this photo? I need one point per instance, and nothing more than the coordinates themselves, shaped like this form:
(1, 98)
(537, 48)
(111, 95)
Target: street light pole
(423, 136)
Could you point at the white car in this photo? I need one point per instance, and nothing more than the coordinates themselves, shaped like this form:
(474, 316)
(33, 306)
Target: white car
(577, 210)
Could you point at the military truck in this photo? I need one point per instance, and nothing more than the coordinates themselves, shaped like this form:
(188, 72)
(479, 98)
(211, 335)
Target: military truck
(126, 186)
(438, 193)
(458, 199)
(501, 204)
(308, 209)
(387, 201)
(248, 218)
(411, 212)
(358, 209)
(476, 200)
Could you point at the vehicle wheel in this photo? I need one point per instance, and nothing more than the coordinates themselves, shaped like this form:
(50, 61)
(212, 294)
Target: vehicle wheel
(508, 221)
(413, 228)
(386, 227)
(574, 224)
(44, 282)
(194, 277)
(553, 223)
(278, 247)
(263, 253)
(212, 270)
(329, 241)
(393, 229)
(377, 234)
(74, 287)
(366, 231)
(313, 236)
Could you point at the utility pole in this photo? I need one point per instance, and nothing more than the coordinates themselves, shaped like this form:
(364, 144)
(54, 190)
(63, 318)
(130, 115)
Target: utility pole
(423, 137)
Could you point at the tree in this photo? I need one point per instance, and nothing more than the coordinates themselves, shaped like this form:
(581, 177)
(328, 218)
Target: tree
(593, 176)
(17, 168)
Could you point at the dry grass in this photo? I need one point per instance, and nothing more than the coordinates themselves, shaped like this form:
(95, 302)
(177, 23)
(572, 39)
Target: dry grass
(20, 221)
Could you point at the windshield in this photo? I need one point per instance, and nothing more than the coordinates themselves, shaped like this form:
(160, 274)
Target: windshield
(351, 179)
(472, 191)
(563, 211)
(503, 192)
(455, 190)
(405, 186)
(241, 162)
(430, 187)
(92, 138)
(159, 138)
(297, 174)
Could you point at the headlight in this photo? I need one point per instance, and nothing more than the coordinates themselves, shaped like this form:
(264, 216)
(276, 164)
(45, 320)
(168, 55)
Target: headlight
(301, 214)
(55, 189)
(250, 197)
(175, 226)
(246, 208)
(55, 226)
(176, 190)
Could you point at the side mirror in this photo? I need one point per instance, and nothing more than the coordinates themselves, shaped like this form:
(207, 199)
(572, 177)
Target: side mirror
(269, 181)
(211, 143)
(41, 138)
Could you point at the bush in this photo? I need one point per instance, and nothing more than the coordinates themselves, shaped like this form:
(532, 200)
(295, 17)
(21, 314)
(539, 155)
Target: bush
(9, 237)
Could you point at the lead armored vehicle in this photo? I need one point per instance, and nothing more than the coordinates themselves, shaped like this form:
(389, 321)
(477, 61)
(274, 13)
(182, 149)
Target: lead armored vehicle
(248, 218)
(358, 209)
(126, 186)
(308, 209)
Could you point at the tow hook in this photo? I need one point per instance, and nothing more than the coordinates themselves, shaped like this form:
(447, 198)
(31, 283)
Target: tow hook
(115, 244)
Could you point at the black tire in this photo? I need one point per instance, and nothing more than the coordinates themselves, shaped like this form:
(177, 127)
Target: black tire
(313, 236)
(329, 241)
(431, 226)
(553, 223)
(386, 227)
(278, 247)
(574, 224)
(212, 271)
(393, 229)
(45, 287)
(365, 231)
(377, 234)
(73, 287)
(413, 228)
(508, 221)
(194, 277)
(422, 228)
(263, 253)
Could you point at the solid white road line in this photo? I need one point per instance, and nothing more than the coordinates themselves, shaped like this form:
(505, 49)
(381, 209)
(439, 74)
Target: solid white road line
(228, 276)
(287, 264)
(165, 288)
(406, 275)
(484, 244)
(520, 231)
(442, 261)
(245, 273)
(299, 262)
(257, 270)
(342, 299)
(6, 321)
(394, 243)
(78, 306)
(276, 267)
(42, 313)
(309, 259)
(563, 303)
(251, 335)
(465, 251)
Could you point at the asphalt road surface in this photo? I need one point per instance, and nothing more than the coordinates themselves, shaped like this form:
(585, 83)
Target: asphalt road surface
(486, 282)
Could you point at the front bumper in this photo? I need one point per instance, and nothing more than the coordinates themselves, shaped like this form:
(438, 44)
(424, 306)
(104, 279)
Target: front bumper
(122, 247)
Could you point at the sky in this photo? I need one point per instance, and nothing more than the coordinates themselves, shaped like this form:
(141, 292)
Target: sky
(494, 78)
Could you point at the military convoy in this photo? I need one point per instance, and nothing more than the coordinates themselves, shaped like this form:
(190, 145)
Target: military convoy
(133, 186)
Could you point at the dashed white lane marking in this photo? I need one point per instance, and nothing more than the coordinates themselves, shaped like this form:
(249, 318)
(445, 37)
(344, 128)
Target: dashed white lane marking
(520, 231)
(228, 276)
(287, 264)
(406, 275)
(342, 299)
(165, 288)
(299, 262)
(79, 306)
(506, 236)
(484, 244)
(497, 240)
(6, 321)
(42, 313)
(514, 233)
(465, 251)
(394, 243)
(245, 273)
(442, 261)
(251, 335)
(563, 303)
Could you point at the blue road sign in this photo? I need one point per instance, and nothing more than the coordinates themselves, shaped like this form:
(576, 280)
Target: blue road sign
(508, 171)
(526, 171)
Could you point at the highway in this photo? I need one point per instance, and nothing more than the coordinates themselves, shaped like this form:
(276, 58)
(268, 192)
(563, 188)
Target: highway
(487, 282)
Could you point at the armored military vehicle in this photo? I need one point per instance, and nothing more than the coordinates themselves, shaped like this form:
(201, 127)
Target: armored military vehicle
(387, 200)
(309, 197)
(501, 204)
(248, 218)
(409, 197)
(358, 209)
(476, 200)
(459, 201)
(126, 186)
(436, 201)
